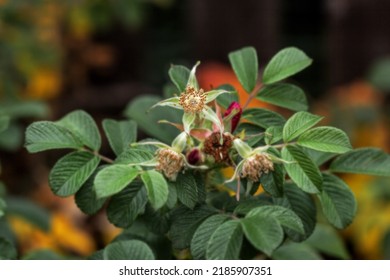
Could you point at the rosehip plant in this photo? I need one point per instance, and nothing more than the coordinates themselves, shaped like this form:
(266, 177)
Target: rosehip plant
(216, 180)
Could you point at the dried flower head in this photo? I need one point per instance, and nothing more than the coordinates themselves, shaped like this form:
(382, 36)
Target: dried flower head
(169, 162)
(213, 146)
(192, 100)
(257, 165)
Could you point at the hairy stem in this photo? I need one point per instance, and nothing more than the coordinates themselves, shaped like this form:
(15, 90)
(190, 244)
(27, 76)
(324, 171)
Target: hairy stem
(251, 96)
(96, 153)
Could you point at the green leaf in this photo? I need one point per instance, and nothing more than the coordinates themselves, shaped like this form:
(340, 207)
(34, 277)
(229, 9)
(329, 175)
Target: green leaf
(125, 206)
(203, 234)
(325, 139)
(285, 63)
(12, 138)
(29, 211)
(286, 217)
(120, 134)
(156, 187)
(264, 233)
(4, 121)
(245, 206)
(25, 109)
(83, 127)
(284, 95)
(273, 134)
(185, 221)
(263, 117)
(179, 76)
(318, 157)
(172, 197)
(113, 179)
(225, 243)
(186, 188)
(86, 198)
(303, 205)
(128, 250)
(302, 171)
(253, 133)
(134, 156)
(3, 206)
(299, 123)
(44, 135)
(371, 161)
(245, 65)
(7, 250)
(337, 201)
(295, 251)
(328, 241)
(71, 172)
(147, 120)
(42, 254)
(273, 182)
(227, 98)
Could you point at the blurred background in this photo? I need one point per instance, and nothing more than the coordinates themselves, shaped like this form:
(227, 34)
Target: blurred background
(97, 55)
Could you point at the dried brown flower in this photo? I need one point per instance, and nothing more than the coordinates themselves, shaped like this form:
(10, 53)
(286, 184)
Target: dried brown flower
(192, 100)
(220, 152)
(257, 165)
(169, 162)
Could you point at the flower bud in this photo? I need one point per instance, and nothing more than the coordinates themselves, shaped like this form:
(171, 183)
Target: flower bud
(233, 112)
(194, 156)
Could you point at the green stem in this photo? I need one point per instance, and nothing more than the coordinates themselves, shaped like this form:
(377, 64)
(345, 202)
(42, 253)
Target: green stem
(96, 153)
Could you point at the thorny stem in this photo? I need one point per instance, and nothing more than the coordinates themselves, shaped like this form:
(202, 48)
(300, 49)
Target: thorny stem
(251, 96)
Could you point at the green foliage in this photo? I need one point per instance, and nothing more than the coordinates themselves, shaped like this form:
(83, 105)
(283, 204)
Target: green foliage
(245, 65)
(128, 250)
(302, 169)
(337, 201)
(156, 187)
(325, 139)
(125, 206)
(86, 198)
(264, 233)
(83, 127)
(225, 242)
(44, 135)
(285, 63)
(112, 179)
(147, 119)
(120, 134)
(284, 95)
(71, 172)
(174, 195)
(7, 250)
(28, 211)
(298, 124)
(371, 161)
(179, 75)
(203, 234)
(263, 117)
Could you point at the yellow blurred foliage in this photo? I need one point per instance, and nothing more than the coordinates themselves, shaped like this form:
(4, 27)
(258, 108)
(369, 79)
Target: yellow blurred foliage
(44, 83)
(63, 236)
